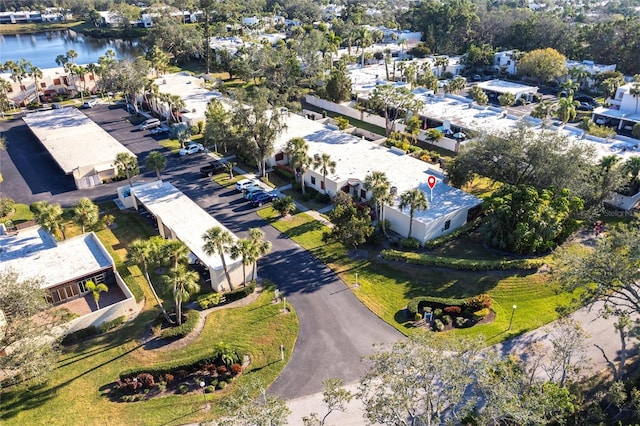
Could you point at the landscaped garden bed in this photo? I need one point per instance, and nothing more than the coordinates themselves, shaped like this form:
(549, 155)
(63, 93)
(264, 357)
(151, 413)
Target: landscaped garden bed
(442, 314)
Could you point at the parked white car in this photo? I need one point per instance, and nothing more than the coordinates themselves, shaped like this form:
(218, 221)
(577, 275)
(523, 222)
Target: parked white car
(192, 148)
(245, 183)
(90, 103)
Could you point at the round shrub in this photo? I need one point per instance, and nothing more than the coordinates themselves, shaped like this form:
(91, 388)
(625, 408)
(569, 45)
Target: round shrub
(221, 385)
(236, 369)
(6, 206)
(481, 313)
(461, 322)
(418, 316)
(437, 313)
(184, 388)
(221, 370)
(453, 310)
(478, 302)
(438, 325)
(210, 389)
(446, 319)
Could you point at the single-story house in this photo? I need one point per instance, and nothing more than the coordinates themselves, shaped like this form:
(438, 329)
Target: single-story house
(78, 145)
(180, 218)
(66, 267)
(500, 87)
(449, 208)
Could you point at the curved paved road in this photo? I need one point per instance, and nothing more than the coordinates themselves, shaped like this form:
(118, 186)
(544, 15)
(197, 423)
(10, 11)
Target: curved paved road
(336, 330)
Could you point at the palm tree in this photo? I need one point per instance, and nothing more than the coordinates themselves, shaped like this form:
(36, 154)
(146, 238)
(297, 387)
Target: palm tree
(49, 217)
(85, 213)
(298, 151)
(36, 73)
(434, 135)
(184, 283)
(566, 109)
(364, 39)
(635, 90)
(228, 167)
(260, 247)
(378, 184)
(81, 72)
(18, 73)
(442, 61)
(175, 251)
(580, 74)
(158, 59)
(243, 249)
(569, 87)
(543, 110)
(96, 289)
(157, 162)
(414, 199)
(326, 165)
(72, 55)
(218, 240)
(144, 253)
(128, 163)
(5, 86)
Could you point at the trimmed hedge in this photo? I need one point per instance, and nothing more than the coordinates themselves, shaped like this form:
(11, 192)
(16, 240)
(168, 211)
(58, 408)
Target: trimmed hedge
(207, 301)
(465, 229)
(284, 172)
(475, 303)
(462, 264)
(239, 293)
(108, 325)
(176, 365)
(182, 329)
(79, 335)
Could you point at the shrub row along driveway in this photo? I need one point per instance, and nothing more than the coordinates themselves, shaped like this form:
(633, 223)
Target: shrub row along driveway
(336, 330)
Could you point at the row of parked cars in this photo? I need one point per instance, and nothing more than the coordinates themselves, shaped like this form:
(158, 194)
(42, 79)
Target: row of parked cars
(255, 193)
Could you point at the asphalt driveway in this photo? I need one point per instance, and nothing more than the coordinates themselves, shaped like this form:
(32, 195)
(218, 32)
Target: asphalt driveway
(336, 330)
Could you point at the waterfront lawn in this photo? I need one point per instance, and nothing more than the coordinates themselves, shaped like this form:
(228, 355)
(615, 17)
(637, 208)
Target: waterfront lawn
(386, 288)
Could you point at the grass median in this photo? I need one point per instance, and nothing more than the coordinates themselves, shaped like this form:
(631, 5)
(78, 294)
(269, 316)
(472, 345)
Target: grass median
(385, 288)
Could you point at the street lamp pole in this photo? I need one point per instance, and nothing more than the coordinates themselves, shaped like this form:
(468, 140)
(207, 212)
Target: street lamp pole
(204, 395)
(513, 311)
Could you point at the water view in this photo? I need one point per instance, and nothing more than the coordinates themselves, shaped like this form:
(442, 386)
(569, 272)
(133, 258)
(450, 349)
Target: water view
(41, 49)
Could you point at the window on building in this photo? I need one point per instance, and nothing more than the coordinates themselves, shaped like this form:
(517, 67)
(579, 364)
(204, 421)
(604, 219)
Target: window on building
(82, 78)
(313, 180)
(92, 77)
(43, 85)
(322, 184)
(363, 193)
(447, 225)
(280, 156)
(56, 81)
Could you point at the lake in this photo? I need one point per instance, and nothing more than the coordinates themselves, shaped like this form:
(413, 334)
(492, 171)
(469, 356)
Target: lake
(41, 49)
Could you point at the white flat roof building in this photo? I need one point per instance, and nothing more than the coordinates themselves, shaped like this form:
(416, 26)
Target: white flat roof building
(181, 218)
(190, 90)
(356, 158)
(502, 86)
(77, 144)
(34, 253)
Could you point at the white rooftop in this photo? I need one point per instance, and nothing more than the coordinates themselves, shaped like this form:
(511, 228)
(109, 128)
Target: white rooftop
(502, 86)
(183, 216)
(189, 88)
(73, 139)
(34, 253)
(355, 158)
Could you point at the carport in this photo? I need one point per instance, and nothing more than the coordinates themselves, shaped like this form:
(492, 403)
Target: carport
(500, 87)
(180, 218)
(79, 146)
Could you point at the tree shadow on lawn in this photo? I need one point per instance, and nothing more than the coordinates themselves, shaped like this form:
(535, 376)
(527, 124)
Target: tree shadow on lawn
(304, 228)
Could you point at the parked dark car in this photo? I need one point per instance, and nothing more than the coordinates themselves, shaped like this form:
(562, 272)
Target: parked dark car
(213, 168)
(262, 199)
(584, 106)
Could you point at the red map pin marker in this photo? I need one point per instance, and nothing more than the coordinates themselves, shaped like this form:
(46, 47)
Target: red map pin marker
(431, 181)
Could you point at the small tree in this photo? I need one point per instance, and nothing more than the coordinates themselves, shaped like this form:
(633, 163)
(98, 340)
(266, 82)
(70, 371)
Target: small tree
(128, 164)
(96, 289)
(219, 241)
(183, 283)
(284, 205)
(49, 217)
(326, 165)
(414, 199)
(478, 95)
(157, 162)
(506, 99)
(351, 226)
(86, 213)
(228, 167)
(434, 135)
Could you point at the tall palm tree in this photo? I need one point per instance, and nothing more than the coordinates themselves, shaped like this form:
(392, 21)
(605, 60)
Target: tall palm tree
(128, 163)
(378, 183)
(566, 109)
(145, 253)
(85, 213)
(635, 90)
(157, 162)
(49, 217)
(414, 199)
(5, 86)
(260, 246)
(96, 289)
(580, 74)
(298, 151)
(326, 165)
(18, 73)
(364, 39)
(81, 72)
(218, 241)
(36, 74)
(569, 87)
(442, 61)
(176, 252)
(243, 249)
(183, 283)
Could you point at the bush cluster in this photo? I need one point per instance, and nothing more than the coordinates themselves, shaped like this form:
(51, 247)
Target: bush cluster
(92, 330)
(183, 329)
(441, 305)
(285, 172)
(461, 264)
(239, 293)
(207, 301)
(109, 325)
(410, 243)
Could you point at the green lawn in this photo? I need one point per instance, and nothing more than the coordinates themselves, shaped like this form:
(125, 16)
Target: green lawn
(386, 288)
(20, 214)
(75, 392)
